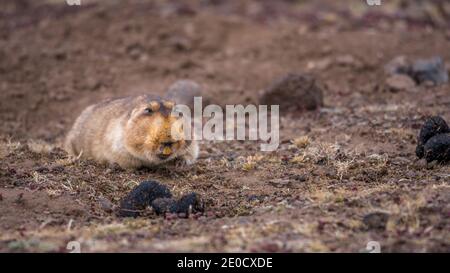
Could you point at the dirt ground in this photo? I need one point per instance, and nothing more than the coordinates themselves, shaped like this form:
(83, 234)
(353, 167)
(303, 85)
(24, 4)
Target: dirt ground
(343, 175)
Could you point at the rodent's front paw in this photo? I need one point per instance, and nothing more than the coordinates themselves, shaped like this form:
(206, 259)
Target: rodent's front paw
(192, 155)
(189, 161)
(182, 163)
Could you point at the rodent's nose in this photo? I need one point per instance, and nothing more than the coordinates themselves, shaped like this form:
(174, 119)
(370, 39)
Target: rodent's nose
(166, 149)
(168, 143)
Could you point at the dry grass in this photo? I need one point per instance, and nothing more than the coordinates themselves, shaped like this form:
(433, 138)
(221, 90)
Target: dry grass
(4, 152)
(251, 162)
(9, 147)
(40, 146)
(342, 167)
(301, 142)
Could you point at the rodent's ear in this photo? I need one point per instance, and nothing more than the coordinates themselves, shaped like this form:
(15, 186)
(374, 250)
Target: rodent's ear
(152, 108)
(168, 104)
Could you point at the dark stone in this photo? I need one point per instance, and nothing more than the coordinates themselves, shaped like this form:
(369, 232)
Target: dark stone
(421, 71)
(438, 148)
(141, 197)
(188, 203)
(184, 91)
(433, 126)
(296, 92)
(432, 70)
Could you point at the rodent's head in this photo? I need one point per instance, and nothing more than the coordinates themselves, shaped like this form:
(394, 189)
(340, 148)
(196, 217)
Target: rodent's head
(153, 134)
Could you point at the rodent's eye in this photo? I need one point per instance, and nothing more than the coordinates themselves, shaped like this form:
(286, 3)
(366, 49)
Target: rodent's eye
(148, 111)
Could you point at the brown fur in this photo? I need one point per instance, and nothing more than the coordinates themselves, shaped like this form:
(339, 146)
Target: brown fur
(121, 131)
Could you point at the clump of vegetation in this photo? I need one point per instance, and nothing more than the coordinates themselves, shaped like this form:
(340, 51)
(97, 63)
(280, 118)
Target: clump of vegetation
(251, 162)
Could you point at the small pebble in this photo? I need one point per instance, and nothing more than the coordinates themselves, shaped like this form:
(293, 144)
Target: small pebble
(399, 82)
(105, 204)
(421, 164)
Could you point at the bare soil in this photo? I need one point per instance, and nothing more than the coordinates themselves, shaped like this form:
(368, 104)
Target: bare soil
(336, 171)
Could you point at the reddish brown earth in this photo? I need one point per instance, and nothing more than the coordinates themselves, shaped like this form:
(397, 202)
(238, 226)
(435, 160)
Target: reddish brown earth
(334, 168)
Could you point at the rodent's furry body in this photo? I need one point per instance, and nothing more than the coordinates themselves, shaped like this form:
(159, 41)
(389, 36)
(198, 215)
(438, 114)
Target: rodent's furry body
(131, 131)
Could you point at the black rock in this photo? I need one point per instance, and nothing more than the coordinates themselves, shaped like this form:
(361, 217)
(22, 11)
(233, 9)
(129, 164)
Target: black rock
(433, 126)
(184, 91)
(293, 92)
(142, 196)
(432, 70)
(188, 203)
(422, 70)
(438, 148)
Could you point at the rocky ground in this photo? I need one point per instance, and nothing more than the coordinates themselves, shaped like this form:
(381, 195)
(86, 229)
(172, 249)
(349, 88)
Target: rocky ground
(344, 174)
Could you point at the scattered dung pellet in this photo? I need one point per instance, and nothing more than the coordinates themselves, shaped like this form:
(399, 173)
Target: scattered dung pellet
(432, 126)
(141, 197)
(163, 205)
(438, 148)
(189, 203)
